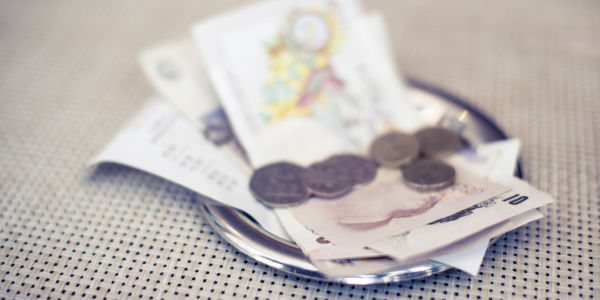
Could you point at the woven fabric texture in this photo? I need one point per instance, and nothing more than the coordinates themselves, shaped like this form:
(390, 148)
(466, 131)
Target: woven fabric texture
(69, 79)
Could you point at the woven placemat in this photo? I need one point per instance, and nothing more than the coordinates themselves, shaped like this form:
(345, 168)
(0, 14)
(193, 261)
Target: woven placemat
(69, 79)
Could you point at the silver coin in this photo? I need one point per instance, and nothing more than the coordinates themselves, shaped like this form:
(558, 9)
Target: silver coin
(328, 179)
(428, 175)
(279, 185)
(362, 169)
(437, 142)
(394, 149)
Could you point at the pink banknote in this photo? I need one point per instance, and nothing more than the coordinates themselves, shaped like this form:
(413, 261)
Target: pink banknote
(385, 209)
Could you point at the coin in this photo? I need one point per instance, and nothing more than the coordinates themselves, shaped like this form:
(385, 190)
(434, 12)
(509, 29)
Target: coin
(426, 175)
(362, 169)
(328, 179)
(279, 185)
(394, 149)
(437, 142)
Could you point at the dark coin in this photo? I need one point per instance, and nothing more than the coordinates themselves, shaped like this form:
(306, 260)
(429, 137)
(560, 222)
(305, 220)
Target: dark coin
(279, 185)
(394, 149)
(328, 179)
(427, 175)
(362, 169)
(437, 142)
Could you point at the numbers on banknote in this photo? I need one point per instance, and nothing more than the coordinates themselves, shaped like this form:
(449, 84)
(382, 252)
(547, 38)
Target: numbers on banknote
(515, 199)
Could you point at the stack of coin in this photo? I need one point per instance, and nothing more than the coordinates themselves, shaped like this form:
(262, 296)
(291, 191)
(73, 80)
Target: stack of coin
(284, 184)
(363, 169)
(337, 175)
(415, 154)
(428, 175)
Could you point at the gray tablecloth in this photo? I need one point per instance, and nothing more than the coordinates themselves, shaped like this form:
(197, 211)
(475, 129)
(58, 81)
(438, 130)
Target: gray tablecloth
(69, 79)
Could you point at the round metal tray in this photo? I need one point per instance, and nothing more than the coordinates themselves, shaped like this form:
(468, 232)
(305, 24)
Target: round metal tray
(242, 231)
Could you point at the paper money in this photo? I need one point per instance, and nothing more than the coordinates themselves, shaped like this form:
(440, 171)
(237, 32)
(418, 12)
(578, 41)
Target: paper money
(483, 159)
(388, 207)
(397, 246)
(311, 242)
(176, 71)
(465, 254)
(158, 140)
(485, 234)
(520, 199)
(308, 83)
(359, 261)
(335, 260)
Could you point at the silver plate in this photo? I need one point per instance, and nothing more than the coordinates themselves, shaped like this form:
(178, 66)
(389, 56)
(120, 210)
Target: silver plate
(245, 234)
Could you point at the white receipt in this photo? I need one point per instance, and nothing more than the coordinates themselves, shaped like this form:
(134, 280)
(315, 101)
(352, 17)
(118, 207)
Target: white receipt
(468, 261)
(161, 142)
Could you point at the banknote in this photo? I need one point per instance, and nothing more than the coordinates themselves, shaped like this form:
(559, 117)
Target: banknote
(481, 160)
(487, 158)
(388, 207)
(176, 71)
(450, 255)
(351, 261)
(435, 235)
(465, 254)
(310, 242)
(309, 82)
(482, 235)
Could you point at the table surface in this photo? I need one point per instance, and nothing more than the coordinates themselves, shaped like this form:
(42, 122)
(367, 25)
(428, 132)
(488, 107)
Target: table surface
(69, 79)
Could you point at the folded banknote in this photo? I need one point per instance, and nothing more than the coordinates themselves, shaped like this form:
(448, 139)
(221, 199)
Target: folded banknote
(310, 82)
(483, 160)
(520, 199)
(387, 207)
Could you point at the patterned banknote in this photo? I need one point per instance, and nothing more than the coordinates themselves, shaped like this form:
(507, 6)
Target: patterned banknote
(520, 199)
(301, 80)
(482, 161)
(356, 262)
(465, 254)
(387, 207)
(485, 159)
(462, 253)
